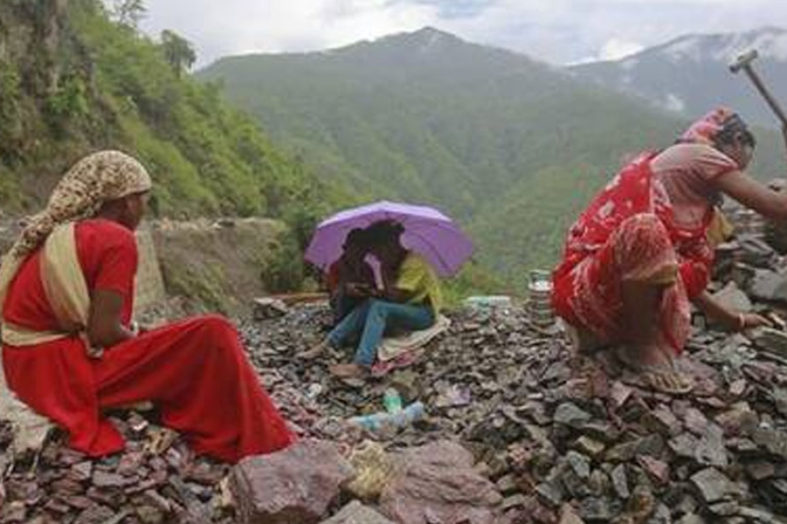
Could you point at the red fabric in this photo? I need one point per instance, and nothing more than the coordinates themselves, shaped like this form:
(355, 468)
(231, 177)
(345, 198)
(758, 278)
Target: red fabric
(195, 370)
(107, 253)
(332, 276)
(628, 231)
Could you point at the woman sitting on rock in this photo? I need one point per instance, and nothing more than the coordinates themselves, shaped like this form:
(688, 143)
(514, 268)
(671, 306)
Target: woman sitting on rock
(410, 300)
(640, 252)
(66, 289)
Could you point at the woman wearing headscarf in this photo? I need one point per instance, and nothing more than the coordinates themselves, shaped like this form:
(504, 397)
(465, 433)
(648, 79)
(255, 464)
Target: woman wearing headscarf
(69, 352)
(640, 252)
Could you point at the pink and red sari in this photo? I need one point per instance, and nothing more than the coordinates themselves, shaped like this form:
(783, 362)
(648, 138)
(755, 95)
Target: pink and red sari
(628, 233)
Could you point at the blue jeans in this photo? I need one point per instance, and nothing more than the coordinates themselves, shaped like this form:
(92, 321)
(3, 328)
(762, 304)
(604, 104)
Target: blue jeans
(371, 319)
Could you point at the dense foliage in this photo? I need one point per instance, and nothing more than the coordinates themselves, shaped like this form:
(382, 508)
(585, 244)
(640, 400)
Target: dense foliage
(73, 80)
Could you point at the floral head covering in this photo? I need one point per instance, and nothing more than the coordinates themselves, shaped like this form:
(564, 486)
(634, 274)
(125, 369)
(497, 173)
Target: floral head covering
(97, 178)
(707, 129)
(94, 180)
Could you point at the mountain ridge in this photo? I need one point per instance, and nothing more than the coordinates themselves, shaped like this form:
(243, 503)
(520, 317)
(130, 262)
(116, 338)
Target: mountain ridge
(510, 146)
(689, 72)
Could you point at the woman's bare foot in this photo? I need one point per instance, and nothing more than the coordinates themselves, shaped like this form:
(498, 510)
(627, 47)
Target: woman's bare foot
(348, 370)
(314, 352)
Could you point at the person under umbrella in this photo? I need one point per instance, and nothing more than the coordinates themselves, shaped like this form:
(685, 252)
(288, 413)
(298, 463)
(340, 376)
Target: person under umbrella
(69, 350)
(350, 280)
(410, 299)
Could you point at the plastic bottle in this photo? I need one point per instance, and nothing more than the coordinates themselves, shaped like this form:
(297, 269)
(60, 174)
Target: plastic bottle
(403, 417)
(392, 401)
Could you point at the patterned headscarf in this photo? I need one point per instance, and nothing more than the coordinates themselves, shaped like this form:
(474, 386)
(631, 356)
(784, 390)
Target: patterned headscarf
(707, 129)
(97, 178)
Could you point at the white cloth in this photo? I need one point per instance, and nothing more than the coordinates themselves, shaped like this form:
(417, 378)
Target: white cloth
(393, 347)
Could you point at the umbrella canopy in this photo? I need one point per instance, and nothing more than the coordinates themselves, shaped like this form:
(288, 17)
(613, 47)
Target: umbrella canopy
(427, 231)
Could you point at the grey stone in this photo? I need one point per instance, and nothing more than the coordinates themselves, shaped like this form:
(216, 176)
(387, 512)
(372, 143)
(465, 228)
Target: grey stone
(507, 484)
(595, 509)
(684, 445)
(551, 493)
(590, 446)
(773, 440)
(691, 518)
(570, 415)
(579, 463)
(569, 516)
(513, 501)
(620, 481)
(769, 285)
(651, 445)
(712, 484)
(732, 297)
(724, 508)
(755, 251)
(771, 340)
(662, 421)
(710, 448)
(357, 513)
(756, 514)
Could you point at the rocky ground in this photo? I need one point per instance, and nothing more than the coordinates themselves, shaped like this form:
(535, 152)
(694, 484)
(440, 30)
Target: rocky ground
(517, 430)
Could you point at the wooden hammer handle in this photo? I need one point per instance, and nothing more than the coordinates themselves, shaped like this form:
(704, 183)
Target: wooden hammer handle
(755, 78)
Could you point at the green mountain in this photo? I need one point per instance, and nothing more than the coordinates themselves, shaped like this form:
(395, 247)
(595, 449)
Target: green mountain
(509, 146)
(73, 80)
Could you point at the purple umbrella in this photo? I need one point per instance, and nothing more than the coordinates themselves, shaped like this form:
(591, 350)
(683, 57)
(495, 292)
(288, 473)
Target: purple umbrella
(426, 231)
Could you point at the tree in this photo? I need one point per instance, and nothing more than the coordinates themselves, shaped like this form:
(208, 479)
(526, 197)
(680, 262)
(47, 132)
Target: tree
(129, 12)
(177, 51)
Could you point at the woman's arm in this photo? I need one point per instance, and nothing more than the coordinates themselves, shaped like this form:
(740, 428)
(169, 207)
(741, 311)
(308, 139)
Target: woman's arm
(390, 291)
(104, 327)
(752, 194)
(732, 320)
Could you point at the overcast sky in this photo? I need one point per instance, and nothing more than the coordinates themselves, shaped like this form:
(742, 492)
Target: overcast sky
(558, 31)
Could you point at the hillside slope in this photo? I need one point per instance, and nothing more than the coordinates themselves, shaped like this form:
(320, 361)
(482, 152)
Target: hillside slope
(73, 81)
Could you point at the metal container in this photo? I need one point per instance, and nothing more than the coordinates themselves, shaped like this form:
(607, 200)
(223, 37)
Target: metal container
(540, 298)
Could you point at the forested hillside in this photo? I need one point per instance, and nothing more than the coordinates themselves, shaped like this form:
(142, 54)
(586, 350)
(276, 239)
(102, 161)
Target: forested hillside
(510, 146)
(73, 80)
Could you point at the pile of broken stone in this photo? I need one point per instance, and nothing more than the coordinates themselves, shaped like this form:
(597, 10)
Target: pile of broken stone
(518, 429)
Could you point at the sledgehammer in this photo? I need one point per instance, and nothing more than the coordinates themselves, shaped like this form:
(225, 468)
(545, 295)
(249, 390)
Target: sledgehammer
(744, 62)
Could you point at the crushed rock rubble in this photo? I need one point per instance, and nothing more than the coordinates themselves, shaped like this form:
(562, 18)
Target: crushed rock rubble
(517, 430)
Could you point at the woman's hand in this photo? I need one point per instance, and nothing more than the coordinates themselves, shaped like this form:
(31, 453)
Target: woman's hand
(358, 290)
(752, 320)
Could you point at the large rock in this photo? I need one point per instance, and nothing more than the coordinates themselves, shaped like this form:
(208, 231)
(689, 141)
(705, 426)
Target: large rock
(732, 297)
(769, 285)
(30, 428)
(712, 485)
(294, 486)
(357, 513)
(437, 483)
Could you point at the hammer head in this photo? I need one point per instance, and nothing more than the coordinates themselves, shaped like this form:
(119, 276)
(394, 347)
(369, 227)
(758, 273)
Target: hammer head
(743, 60)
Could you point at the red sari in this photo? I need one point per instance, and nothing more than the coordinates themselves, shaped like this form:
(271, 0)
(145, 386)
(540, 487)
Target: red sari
(195, 371)
(628, 232)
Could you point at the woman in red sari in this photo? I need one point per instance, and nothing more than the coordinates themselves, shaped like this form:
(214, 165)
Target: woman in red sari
(640, 252)
(69, 351)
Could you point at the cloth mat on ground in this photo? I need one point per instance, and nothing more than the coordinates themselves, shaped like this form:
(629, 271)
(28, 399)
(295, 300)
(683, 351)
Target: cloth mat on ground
(403, 350)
